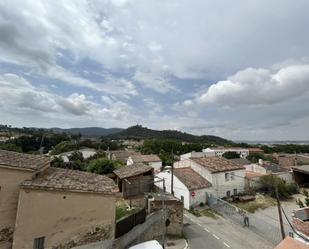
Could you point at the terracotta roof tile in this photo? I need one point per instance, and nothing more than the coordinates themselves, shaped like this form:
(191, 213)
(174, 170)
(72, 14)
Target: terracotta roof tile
(145, 158)
(191, 179)
(132, 170)
(217, 164)
(250, 174)
(71, 180)
(23, 161)
(290, 243)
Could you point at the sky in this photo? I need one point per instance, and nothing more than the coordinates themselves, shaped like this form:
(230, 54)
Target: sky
(237, 69)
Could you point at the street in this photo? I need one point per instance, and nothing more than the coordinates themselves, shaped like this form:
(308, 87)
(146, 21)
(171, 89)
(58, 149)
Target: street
(204, 232)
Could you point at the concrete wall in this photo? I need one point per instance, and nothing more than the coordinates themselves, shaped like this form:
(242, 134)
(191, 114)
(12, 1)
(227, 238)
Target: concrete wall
(63, 218)
(286, 176)
(199, 197)
(221, 186)
(152, 228)
(10, 179)
(156, 166)
(256, 168)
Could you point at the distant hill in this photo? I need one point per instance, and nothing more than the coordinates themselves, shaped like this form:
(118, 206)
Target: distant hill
(89, 131)
(139, 132)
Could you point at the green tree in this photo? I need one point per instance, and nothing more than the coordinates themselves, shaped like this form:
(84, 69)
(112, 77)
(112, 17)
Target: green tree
(103, 166)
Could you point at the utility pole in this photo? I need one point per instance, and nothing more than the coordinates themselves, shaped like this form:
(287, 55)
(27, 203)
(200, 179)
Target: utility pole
(279, 211)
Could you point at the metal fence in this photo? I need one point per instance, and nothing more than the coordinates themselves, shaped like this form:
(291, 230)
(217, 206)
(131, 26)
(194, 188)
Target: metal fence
(267, 230)
(126, 224)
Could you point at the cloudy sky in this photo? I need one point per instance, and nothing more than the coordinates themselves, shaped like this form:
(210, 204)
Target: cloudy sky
(237, 69)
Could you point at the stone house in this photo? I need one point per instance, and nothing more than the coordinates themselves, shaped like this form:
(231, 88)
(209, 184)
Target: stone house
(226, 177)
(152, 160)
(300, 221)
(134, 180)
(51, 207)
(189, 186)
(14, 169)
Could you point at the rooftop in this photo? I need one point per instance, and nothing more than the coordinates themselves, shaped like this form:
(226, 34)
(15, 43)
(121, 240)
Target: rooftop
(217, 164)
(191, 179)
(290, 243)
(23, 161)
(132, 170)
(71, 180)
(303, 168)
(241, 161)
(145, 158)
(122, 155)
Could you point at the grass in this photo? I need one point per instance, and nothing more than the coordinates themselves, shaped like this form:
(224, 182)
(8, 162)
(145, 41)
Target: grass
(205, 212)
(261, 202)
(123, 211)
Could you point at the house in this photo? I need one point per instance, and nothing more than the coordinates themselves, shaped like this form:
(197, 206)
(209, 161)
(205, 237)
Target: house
(226, 177)
(189, 186)
(252, 180)
(300, 222)
(152, 160)
(120, 155)
(134, 180)
(14, 169)
(289, 160)
(301, 175)
(219, 151)
(290, 243)
(71, 207)
(46, 207)
(194, 154)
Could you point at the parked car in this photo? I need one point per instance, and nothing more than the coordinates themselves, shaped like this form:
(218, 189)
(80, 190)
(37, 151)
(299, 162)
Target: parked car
(151, 244)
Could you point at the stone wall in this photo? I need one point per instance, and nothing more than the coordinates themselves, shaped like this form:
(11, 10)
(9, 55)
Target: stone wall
(174, 209)
(151, 229)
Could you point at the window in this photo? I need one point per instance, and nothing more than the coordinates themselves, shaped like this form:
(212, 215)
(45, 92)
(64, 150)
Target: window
(227, 177)
(235, 191)
(232, 176)
(228, 193)
(39, 243)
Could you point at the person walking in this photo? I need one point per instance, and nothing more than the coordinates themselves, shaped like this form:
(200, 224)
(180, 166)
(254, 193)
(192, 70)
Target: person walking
(246, 219)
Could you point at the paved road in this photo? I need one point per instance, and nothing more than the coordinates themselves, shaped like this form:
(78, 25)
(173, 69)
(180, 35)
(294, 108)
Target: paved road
(204, 232)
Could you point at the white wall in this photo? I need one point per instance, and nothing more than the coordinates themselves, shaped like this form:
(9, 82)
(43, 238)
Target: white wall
(255, 168)
(221, 186)
(129, 161)
(179, 188)
(286, 176)
(156, 166)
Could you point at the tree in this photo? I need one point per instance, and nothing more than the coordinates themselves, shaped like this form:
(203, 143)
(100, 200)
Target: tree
(231, 155)
(103, 166)
(302, 204)
(271, 182)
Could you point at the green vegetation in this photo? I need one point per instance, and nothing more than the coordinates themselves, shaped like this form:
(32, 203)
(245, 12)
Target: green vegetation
(210, 213)
(254, 158)
(261, 201)
(98, 164)
(271, 182)
(123, 211)
(138, 132)
(302, 204)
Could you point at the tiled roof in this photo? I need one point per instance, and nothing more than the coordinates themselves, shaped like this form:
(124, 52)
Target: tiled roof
(255, 150)
(145, 158)
(250, 174)
(122, 155)
(241, 161)
(132, 170)
(191, 179)
(217, 164)
(290, 243)
(71, 180)
(22, 160)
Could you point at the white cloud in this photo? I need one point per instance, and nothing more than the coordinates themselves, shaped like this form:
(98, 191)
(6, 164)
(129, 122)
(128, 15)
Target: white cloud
(259, 87)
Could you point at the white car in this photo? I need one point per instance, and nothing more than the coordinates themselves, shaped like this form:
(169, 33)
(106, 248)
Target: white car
(151, 244)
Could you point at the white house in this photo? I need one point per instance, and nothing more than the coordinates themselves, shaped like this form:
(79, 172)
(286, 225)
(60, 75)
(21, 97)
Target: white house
(226, 177)
(195, 154)
(86, 152)
(219, 151)
(189, 186)
(152, 160)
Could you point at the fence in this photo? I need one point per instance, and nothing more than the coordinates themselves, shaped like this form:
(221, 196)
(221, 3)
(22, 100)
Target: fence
(137, 186)
(126, 224)
(267, 230)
